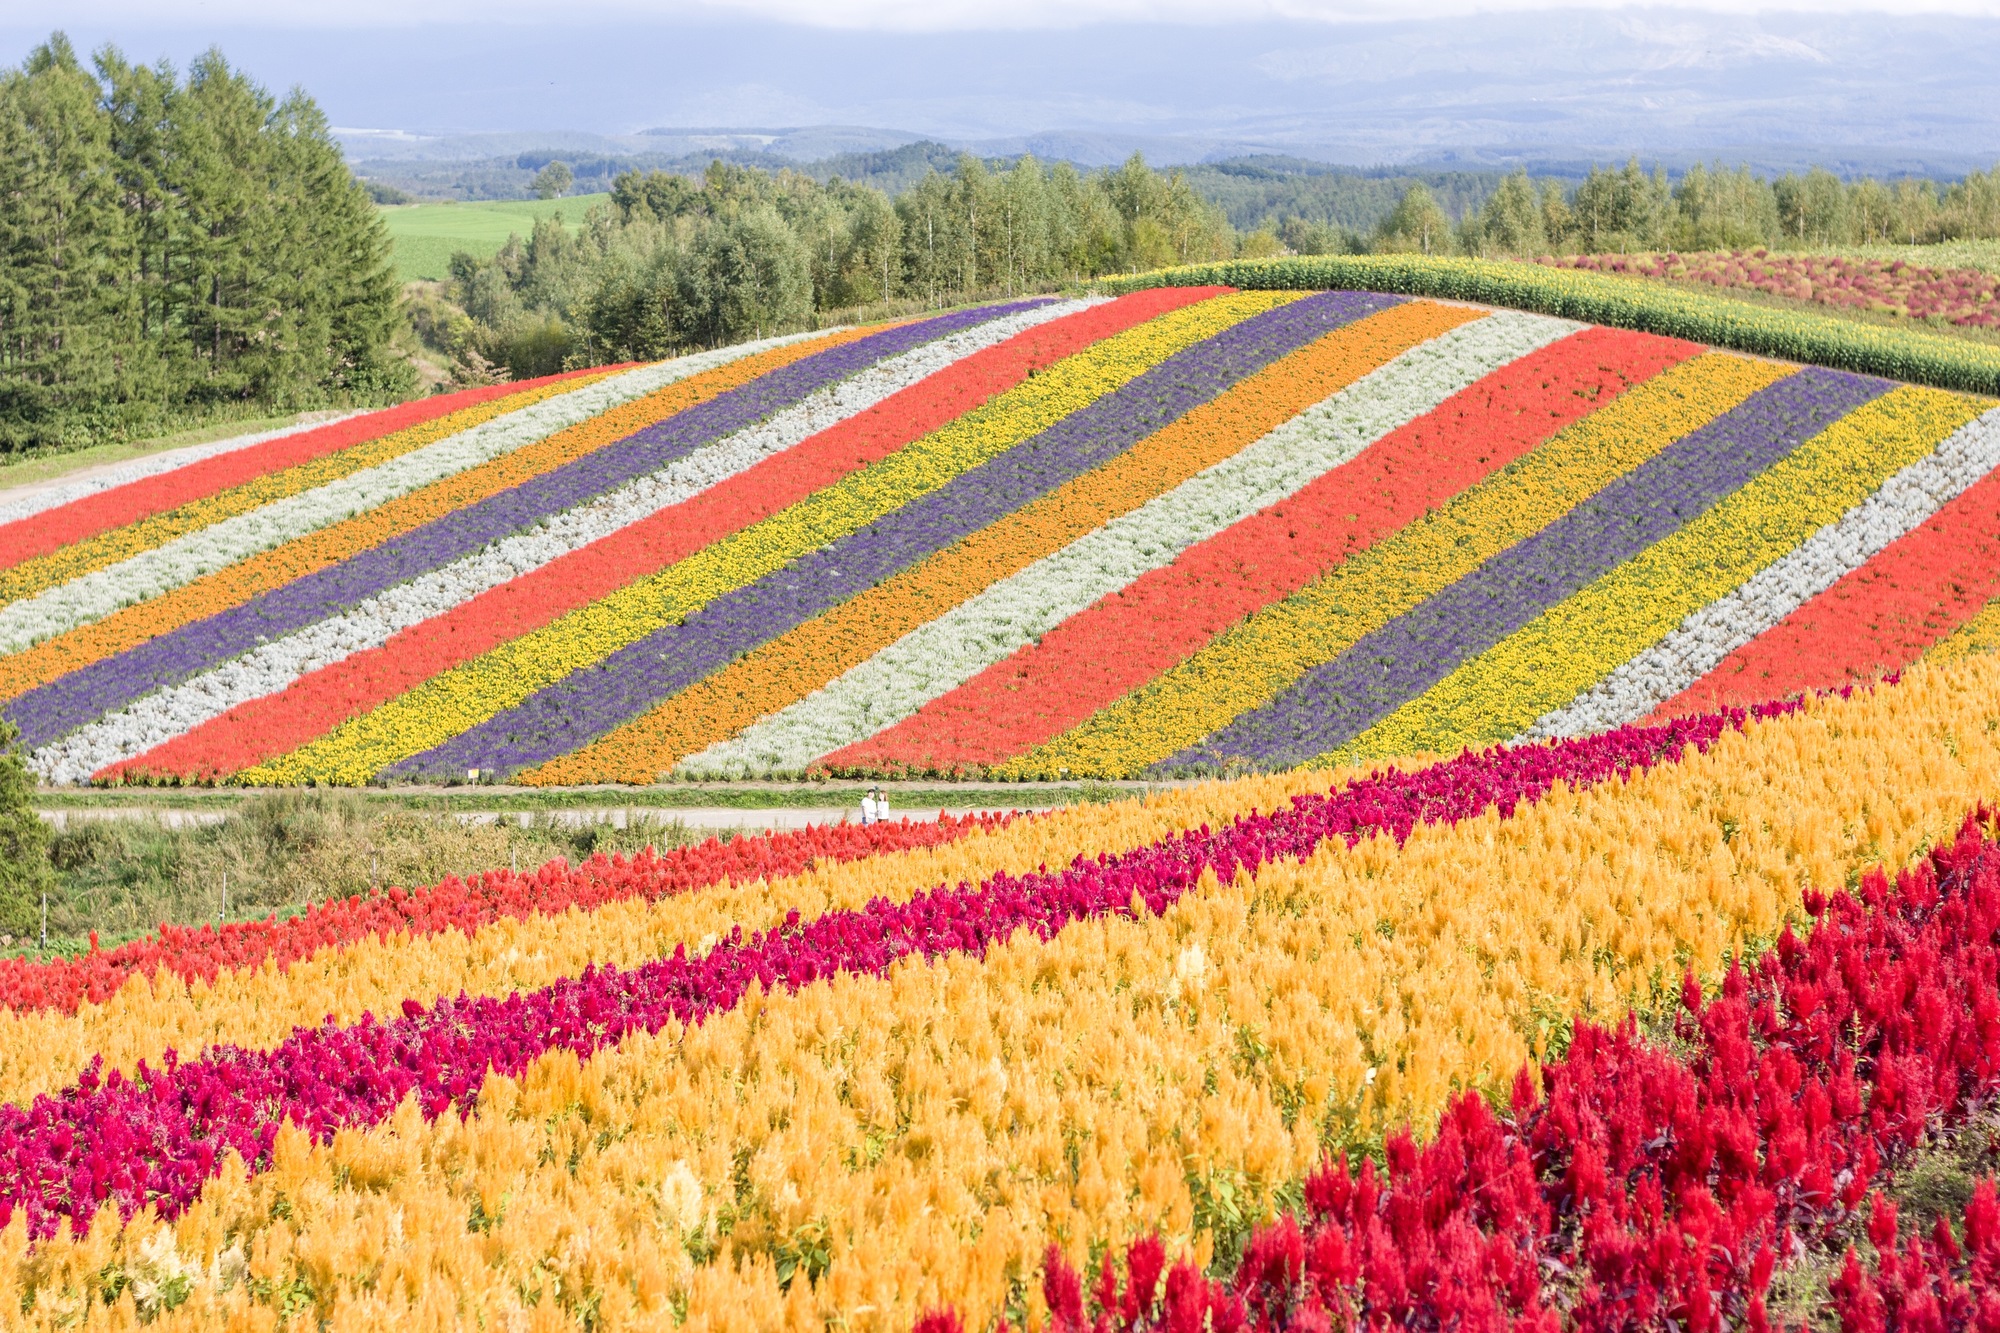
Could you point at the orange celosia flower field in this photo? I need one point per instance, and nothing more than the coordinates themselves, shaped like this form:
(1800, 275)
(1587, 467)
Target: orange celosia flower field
(929, 1078)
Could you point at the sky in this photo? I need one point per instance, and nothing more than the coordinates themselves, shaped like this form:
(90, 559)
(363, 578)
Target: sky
(881, 15)
(1878, 86)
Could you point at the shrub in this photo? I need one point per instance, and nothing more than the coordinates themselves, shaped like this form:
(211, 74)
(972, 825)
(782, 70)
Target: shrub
(1904, 354)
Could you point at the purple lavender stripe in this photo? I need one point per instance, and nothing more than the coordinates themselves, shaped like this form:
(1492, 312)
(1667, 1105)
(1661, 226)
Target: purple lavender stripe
(89, 692)
(1338, 700)
(158, 1138)
(585, 705)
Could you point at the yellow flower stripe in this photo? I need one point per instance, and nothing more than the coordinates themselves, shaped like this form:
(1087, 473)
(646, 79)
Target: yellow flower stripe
(108, 548)
(816, 652)
(1250, 663)
(922, 1135)
(238, 583)
(1580, 640)
(1981, 634)
(461, 698)
(257, 1007)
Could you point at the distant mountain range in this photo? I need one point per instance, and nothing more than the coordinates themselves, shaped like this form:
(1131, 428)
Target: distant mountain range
(1861, 92)
(810, 143)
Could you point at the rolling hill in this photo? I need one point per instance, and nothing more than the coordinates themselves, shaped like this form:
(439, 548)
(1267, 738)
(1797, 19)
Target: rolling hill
(1187, 529)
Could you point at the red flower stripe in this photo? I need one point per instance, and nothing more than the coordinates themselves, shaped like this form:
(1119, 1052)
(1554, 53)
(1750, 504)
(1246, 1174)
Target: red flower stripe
(1164, 616)
(38, 534)
(1650, 1189)
(316, 703)
(462, 905)
(1912, 594)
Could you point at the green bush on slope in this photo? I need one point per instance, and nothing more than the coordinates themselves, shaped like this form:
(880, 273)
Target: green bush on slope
(1902, 354)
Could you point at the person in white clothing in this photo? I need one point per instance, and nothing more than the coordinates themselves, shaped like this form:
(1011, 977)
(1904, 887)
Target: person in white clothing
(874, 807)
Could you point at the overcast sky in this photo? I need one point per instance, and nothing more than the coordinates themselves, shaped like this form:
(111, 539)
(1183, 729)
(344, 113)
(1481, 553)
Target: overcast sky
(1876, 86)
(904, 15)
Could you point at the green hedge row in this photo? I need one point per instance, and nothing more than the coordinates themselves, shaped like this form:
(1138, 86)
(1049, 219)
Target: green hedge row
(1626, 303)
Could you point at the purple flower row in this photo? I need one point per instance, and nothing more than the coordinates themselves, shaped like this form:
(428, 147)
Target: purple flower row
(81, 696)
(1338, 700)
(578, 709)
(156, 1138)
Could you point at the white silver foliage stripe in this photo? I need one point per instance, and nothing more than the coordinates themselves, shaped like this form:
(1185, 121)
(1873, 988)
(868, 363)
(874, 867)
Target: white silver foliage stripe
(164, 568)
(938, 657)
(271, 667)
(60, 492)
(1708, 636)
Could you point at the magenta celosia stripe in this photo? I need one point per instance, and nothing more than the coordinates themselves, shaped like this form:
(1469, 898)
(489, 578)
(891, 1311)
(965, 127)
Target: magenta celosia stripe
(155, 1139)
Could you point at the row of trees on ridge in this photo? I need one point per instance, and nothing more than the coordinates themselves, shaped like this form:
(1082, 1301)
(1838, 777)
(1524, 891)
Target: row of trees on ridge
(674, 262)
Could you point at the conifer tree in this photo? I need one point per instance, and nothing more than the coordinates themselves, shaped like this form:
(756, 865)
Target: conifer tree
(66, 335)
(168, 244)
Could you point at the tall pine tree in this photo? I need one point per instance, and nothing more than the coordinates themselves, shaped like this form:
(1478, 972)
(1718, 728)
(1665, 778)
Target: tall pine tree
(67, 326)
(168, 245)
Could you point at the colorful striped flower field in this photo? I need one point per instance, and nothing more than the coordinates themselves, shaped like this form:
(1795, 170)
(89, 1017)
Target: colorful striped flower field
(1189, 530)
(1567, 895)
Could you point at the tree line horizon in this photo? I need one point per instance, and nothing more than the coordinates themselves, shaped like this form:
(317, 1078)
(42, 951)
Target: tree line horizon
(178, 247)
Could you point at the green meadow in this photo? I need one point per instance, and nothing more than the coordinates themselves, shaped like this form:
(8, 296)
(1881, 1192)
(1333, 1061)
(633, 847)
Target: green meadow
(426, 235)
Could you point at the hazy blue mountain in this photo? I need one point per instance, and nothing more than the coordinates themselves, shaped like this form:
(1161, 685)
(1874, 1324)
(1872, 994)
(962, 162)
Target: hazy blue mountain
(1870, 92)
(804, 144)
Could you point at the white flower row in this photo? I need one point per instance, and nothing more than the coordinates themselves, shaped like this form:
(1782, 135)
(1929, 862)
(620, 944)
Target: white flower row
(939, 656)
(189, 557)
(58, 493)
(271, 667)
(1708, 636)
(828, 407)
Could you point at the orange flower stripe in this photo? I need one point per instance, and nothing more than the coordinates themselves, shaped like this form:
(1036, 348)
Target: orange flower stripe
(280, 565)
(819, 650)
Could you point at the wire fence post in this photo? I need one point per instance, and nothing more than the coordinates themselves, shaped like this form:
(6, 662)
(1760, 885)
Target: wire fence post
(45, 920)
(224, 914)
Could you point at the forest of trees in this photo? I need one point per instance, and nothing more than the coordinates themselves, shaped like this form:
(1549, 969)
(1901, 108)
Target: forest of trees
(173, 247)
(675, 262)
(1708, 208)
(179, 246)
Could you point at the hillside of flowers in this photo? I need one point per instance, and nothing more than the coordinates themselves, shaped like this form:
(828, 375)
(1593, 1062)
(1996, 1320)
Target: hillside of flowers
(1188, 530)
(1663, 1026)
(1968, 297)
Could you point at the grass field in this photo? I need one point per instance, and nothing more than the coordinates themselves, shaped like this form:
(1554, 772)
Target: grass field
(426, 235)
(123, 877)
(279, 851)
